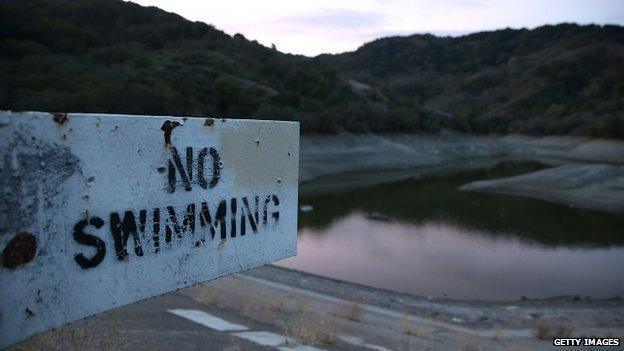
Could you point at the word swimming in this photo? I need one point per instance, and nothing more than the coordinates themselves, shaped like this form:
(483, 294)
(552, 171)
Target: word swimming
(223, 219)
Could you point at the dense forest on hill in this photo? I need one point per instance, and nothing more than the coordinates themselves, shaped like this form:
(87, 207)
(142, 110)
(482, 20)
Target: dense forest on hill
(119, 57)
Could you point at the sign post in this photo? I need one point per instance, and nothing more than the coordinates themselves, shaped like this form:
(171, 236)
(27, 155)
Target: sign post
(99, 211)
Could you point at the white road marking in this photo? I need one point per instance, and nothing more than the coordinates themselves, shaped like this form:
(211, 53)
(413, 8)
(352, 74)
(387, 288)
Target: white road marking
(263, 338)
(299, 348)
(208, 320)
(502, 333)
(354, 340)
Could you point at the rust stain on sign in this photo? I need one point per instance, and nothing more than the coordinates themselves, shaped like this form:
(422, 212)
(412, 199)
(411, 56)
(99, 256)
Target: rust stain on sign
(20, 250)
(60, 118)
(168, 127)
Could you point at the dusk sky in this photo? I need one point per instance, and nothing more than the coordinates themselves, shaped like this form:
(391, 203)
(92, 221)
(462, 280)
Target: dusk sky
(312, 27)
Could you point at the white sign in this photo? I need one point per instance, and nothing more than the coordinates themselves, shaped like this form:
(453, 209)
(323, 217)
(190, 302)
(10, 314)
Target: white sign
(99, 211)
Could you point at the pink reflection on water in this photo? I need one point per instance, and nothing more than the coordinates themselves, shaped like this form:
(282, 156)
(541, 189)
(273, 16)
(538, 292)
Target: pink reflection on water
(434, 259)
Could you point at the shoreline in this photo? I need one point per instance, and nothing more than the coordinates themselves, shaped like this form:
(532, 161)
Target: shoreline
(590, 186)
(598, 163)
(479, 314)
(431, 155)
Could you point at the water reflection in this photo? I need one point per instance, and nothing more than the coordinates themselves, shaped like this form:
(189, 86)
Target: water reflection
(417, 201)
(441, 241)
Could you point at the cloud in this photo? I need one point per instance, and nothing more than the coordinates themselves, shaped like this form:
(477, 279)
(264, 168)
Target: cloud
(336, 19)
(312, 27)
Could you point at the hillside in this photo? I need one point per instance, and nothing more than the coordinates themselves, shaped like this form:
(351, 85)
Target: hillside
(114, 56)
(551, 80)
(119, 57)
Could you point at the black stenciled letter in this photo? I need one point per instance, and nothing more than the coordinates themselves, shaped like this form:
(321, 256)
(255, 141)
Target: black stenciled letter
(252, 215)
(121, 232)
(186, 175)
(156, 229)
(275, 214)
(90, 240)
(233, 220)
(201, 159)
(172, 224)
(205, 219)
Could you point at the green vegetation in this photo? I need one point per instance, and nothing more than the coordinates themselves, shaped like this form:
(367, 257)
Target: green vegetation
(118, 57)
(564, 79)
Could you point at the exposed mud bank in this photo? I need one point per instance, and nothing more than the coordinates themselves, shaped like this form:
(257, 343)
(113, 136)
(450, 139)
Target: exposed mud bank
(588, 173)
(591, 186)
(579, 312)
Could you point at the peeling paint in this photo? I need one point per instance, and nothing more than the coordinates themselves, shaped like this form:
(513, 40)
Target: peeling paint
(26, 184)
(29, 313)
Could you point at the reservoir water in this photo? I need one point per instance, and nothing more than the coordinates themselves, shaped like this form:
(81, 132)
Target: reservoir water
(425, 237)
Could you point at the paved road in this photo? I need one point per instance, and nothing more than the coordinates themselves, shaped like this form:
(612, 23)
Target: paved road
(145, 325)
(177, 321)
(247, 312)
